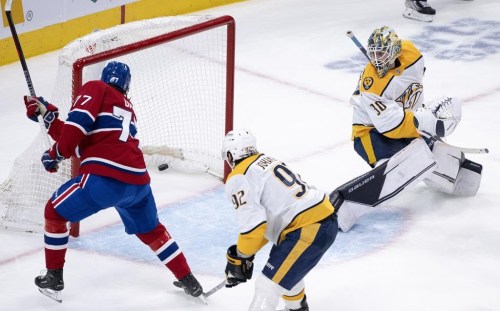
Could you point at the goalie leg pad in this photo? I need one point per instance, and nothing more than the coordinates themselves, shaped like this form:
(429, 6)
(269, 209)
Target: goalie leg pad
(349, 214)
(406, 168)
(449, 160)
(468, 179)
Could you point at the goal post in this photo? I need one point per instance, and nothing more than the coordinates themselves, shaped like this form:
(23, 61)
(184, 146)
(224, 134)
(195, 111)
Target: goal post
(182, 89)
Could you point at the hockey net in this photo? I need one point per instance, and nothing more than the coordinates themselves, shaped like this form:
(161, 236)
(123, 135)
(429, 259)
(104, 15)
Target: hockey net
(182, 89)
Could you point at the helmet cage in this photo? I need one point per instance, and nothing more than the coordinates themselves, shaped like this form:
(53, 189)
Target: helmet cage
(384, 46)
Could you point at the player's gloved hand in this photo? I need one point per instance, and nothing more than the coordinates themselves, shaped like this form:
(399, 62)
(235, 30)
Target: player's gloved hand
(36, 106)
(51, 159)
(439, 119)
(238, 269)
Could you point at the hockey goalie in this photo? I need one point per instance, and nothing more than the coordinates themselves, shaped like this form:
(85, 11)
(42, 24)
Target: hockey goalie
(398, 135)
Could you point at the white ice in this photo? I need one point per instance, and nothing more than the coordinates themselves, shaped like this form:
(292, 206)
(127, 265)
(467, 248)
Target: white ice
(295, 72)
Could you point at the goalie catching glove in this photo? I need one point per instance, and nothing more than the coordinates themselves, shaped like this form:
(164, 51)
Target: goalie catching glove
(36, 106)
(51, 159)
(238, 269)
(439, 119)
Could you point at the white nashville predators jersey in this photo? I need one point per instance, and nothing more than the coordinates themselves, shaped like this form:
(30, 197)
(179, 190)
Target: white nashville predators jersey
(270, 201)
(387, 103)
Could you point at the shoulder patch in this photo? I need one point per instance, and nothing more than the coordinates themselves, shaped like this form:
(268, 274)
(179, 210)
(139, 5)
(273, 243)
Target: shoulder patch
(367, 83)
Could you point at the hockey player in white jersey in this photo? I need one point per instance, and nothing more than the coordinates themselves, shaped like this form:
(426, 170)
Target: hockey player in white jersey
(391, 123)
(273, 204)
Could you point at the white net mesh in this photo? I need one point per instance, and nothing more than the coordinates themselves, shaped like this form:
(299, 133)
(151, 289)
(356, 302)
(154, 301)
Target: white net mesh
(178, 89)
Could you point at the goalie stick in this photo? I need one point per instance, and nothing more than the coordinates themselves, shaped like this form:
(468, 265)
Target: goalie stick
(351, 35)
(22, 59)
(463, 149)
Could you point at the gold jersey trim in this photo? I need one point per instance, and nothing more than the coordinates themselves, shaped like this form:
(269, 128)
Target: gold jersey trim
(242, 167)
(371, 83)
(252, 241)
(312, 215)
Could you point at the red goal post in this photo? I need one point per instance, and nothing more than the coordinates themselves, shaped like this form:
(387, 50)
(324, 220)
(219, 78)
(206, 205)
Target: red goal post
(182, 88)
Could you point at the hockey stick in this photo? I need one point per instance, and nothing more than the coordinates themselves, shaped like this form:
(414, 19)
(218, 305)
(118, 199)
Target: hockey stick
(351, 35)
(205, 294)
(215, 289)
(22, 59)
(463, 149)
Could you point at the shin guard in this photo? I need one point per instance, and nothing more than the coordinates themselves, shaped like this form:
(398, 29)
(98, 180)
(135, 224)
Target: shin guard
(167, 250)
(56, 238)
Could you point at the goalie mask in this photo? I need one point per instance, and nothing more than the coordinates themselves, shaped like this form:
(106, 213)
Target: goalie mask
(384, 46)
(118, 75)
(237, 145)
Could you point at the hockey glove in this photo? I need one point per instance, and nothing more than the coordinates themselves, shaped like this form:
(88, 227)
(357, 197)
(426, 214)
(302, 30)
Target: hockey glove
(36, 106)
(426, 121)
(238, 269)
(51, 159)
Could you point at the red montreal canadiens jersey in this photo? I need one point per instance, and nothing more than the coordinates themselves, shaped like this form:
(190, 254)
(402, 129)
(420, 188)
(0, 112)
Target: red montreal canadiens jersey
(100, 130)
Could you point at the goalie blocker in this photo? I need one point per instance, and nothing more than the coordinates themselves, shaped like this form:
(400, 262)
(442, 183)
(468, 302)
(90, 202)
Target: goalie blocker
(444, 169)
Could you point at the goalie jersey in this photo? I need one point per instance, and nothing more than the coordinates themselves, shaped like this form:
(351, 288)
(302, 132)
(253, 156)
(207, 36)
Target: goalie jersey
(270, 201)
(387, 104)
(100, 130)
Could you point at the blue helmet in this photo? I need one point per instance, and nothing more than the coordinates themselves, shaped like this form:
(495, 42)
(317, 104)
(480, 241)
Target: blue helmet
(118, 75)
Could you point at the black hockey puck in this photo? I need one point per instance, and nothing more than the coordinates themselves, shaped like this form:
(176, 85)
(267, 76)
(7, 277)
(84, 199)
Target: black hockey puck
(162, 167)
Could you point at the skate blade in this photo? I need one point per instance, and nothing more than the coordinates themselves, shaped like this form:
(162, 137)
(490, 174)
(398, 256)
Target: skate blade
(202, 296)
(203, 299)
(52, 294)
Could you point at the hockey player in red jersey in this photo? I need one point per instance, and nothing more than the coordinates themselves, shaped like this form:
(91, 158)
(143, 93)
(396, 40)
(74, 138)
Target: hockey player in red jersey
(100, 130)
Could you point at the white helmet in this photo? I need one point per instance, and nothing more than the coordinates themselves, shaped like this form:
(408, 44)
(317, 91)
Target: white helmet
(238, 144)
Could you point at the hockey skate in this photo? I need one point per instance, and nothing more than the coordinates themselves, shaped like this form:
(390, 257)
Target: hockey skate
(190, 285)
(419, 10)
(303, 306)
(51, 284)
